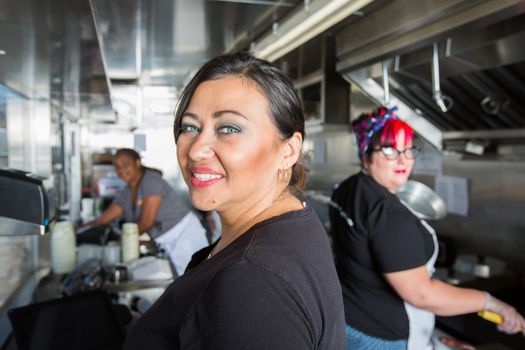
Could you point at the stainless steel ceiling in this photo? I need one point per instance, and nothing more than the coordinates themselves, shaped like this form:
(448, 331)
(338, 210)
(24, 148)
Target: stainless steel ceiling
(160, 42)
(52, 54)
(92, 57)
(151, 48)
(89, 57)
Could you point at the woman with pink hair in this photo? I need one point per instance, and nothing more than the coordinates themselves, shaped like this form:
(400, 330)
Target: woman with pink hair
(385, 254)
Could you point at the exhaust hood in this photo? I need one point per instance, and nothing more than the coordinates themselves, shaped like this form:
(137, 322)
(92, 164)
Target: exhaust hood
(460, 65)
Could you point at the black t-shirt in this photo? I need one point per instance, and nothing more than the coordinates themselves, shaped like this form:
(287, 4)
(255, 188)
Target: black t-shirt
(274, 287)
(385, 237)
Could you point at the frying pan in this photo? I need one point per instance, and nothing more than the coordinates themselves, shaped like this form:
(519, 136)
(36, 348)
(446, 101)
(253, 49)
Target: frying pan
(422, 201)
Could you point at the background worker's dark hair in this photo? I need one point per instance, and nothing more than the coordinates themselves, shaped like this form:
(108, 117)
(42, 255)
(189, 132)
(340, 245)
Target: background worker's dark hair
(131, 153)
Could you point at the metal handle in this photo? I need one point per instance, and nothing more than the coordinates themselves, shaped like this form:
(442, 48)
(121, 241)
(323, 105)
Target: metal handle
(386, 85)
(444, 103)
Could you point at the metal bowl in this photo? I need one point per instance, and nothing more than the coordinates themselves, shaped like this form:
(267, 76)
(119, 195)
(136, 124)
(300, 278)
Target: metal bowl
(422, 201)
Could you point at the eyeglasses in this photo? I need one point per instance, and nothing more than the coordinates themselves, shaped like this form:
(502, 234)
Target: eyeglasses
(391, 153)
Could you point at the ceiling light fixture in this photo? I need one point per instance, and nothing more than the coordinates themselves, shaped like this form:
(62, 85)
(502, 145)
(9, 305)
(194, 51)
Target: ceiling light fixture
(304, 25)
(3, 52)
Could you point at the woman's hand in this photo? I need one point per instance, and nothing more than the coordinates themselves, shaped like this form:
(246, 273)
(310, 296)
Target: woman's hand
(513, 322)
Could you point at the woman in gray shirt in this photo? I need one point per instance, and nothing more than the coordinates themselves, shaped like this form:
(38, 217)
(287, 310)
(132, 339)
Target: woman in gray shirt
(152, 203)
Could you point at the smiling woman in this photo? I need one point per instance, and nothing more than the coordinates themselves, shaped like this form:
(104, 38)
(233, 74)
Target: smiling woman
(150, 202)
(269, 282)
(226, 149)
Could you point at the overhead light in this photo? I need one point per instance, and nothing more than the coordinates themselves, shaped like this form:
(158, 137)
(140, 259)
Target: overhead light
(3, 52)
(304, 25)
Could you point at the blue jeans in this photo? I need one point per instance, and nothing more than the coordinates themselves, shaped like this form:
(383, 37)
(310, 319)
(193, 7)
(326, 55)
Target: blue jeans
(356, 340)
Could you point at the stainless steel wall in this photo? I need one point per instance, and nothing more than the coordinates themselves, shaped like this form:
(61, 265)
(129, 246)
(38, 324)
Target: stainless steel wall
(495, 225)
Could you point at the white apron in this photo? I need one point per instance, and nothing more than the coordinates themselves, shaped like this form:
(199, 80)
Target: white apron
(182, 240)
(421, 322)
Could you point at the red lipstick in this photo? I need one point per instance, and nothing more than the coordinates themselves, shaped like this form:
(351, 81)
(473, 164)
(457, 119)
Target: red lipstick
(204, 177)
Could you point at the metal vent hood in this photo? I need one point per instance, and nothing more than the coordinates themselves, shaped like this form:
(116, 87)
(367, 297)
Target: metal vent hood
(477, 48)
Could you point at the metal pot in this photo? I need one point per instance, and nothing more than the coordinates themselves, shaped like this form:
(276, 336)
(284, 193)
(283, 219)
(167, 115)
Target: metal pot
(422, 201)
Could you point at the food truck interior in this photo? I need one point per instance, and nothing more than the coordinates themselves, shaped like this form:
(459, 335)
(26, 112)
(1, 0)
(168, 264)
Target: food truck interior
(81, 78)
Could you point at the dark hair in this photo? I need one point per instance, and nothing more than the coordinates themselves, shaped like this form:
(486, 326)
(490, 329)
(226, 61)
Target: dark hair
(285, 107)
(128, 152)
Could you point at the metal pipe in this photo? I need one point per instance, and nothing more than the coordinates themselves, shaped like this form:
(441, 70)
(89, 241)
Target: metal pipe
(436, 88)
(386, 85)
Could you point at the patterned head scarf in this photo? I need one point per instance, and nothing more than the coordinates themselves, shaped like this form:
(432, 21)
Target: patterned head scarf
(367, 125)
